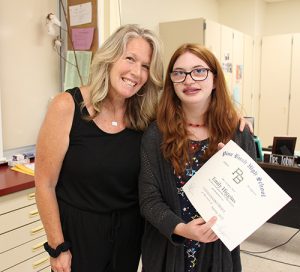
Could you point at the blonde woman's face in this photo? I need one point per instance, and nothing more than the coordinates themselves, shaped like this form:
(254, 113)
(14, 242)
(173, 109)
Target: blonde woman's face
(131, 71)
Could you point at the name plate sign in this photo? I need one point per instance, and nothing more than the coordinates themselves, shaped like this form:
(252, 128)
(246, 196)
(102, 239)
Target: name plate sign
(282, 160)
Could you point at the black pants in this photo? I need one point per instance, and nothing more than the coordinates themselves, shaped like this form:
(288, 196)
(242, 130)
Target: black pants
(103, 242)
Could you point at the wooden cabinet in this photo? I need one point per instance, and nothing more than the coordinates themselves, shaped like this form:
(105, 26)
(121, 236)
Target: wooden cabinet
(174, 34)
(21, 234)
(279, 88)
(294, 109)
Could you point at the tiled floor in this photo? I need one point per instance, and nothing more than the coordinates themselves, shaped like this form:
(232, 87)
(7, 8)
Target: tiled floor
(266, 237)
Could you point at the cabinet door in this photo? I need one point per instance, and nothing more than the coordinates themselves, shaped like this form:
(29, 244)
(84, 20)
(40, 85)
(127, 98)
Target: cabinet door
(16, 200)
(174, 34)
(248, 86)
(294, 124)
(18, 218)
(22, 253)
(237, 67)
(212, 37)
(36, 264)
(275, 87)
(226, 54)
(21, 235)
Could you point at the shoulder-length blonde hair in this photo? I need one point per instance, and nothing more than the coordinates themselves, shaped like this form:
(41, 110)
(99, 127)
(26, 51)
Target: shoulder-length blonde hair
(141, 107)
(221, 117)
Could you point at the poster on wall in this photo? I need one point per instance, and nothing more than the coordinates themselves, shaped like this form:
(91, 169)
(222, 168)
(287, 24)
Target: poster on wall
(227, 63)
(239, 72)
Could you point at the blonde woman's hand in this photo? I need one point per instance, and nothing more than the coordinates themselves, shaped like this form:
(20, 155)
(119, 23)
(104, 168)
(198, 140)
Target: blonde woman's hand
(62, 263)
(243, 123)
(220, 145)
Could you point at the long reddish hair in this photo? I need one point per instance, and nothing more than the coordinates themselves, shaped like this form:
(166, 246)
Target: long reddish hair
(220, 118)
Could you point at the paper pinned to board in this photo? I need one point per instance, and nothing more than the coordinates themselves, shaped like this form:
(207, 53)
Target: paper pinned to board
(72, 78)
(80, 14)
(82, 38)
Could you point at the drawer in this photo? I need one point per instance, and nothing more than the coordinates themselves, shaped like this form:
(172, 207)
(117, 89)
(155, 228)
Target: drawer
(21, 235)
(17, 200)
(36, 264)
(18, 218)
(46, 269)
(22, 253)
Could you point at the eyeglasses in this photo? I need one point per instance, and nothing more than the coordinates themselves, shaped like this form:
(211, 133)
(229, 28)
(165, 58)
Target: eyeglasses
(198, 74)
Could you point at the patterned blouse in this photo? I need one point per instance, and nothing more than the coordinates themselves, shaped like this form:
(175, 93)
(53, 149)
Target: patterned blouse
(188, 212)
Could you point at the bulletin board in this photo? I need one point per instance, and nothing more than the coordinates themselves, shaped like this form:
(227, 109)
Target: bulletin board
(94, 45)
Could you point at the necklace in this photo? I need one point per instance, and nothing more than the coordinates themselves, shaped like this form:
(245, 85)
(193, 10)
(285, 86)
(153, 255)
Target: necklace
(114, 122)
(196, 125)
(117, 118)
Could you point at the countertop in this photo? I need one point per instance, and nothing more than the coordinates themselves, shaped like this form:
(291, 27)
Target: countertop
(12, 181)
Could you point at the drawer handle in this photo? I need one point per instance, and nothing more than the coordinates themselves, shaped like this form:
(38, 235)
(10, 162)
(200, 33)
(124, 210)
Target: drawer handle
(37, 229)
(40, 262)
(34, 213)
(31, 196)
(38, 246)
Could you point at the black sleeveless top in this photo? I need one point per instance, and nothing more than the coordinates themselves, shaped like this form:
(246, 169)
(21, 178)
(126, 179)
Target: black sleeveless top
(100, 170)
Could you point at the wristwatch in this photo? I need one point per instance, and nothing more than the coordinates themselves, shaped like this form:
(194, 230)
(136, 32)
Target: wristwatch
(54, 253)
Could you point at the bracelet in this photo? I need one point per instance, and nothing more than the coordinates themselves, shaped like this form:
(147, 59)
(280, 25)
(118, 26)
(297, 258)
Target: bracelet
(54, 253)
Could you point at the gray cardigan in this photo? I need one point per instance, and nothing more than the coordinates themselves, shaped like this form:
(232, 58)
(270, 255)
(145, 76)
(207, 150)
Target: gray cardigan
(162, 251)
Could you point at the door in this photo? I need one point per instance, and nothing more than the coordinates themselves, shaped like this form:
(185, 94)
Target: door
(294, 113)
(274, 87)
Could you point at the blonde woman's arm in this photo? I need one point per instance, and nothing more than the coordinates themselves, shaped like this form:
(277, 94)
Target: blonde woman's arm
(52, 145)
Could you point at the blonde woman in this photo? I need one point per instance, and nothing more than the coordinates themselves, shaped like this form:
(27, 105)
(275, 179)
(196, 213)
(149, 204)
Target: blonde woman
(88, 157)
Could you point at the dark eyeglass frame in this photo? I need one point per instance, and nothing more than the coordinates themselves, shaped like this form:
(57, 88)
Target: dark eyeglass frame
(190, 73)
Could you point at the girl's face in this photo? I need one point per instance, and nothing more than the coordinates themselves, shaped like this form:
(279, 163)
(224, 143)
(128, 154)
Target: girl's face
(131, 71)
(192, 91)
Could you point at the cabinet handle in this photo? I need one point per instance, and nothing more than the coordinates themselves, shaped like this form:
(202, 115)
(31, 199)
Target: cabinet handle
(38, 246)
(40, 262)
(31, 196)
(34, 213)
(37, 229)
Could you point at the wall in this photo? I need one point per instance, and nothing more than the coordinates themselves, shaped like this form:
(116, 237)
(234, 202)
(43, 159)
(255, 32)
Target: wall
(238, 14)
(282, 17)
(29, 69)
(150, 13)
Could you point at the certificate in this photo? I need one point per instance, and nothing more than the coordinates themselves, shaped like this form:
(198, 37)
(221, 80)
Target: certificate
(233, 187)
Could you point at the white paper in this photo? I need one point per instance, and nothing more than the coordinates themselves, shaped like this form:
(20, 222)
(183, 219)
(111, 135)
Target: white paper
(80, 14)
(233, 187)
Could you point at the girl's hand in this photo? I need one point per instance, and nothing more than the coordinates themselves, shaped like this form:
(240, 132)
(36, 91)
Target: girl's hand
(198, 230)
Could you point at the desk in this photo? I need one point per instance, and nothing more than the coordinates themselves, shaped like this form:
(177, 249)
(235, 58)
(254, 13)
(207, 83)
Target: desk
(288, 178)
(21, 231)
(12, 181)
